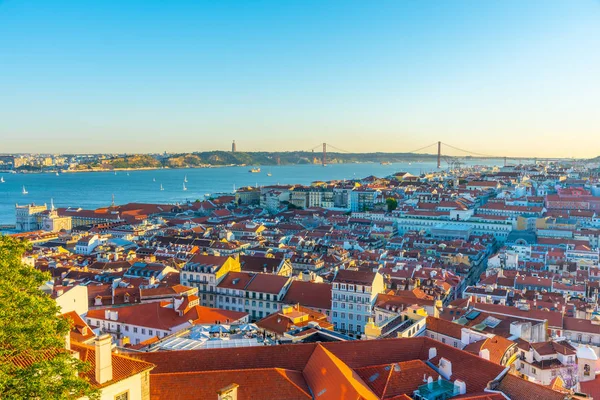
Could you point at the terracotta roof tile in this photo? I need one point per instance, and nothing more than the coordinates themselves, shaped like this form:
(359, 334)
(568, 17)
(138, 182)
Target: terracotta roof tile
(309, 294)
(331, 379)
(123, 367)
(253, 384)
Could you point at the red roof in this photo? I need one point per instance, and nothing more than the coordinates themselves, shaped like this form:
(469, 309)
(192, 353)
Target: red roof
(309, 294)
(122, 367)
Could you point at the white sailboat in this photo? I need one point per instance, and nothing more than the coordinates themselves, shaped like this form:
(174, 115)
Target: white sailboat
(184, 188)
(1, 179)
(269, 173)
(24, 190)
(57, 174)
(161, 187)
(185, 179)
(153, 179)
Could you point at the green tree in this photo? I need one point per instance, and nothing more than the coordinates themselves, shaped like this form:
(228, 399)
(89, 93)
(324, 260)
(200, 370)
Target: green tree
(392, 204)
(34, 363)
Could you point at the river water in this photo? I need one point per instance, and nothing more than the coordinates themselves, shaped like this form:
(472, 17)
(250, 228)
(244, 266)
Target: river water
(91, 190)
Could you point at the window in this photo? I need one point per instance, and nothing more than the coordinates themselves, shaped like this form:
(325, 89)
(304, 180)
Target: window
(443, 340)
(143, 331)
(533, 371)
(149, 331)
(335, 314)
(134, 329)
(126, 328)
(122, 396)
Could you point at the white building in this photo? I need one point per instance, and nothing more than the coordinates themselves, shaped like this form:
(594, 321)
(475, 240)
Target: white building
(353, 297)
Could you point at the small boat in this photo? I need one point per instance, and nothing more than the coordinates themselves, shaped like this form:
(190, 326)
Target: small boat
(128, 174)
(57, 174)
(185, 179)
(115, 172)
(2, 179)
(254, 170)
(269, 173)
(385, 163)
(184, 188)
(162, 188)
(24, 190)
(153, 179)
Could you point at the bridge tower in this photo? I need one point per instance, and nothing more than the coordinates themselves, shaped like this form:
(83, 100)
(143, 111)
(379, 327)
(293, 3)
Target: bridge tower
(439, 155)
(324, 154)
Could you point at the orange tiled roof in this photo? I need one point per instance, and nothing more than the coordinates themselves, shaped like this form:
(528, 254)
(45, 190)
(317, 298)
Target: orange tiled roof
(123, 367)
(253, 384)
(331, 379)
(390, 380)
(331, 366)
(517, 388)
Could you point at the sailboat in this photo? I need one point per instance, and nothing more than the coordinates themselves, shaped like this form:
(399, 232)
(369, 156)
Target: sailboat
(269, 173)
(185, 179)
(128, 174)
(153, 179)
(1, 179)
(24, 190)
(184, 188)
(162, 188)
(57, 173)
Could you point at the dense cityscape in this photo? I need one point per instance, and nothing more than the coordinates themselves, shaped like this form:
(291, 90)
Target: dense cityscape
(477, 282)
(300, 200)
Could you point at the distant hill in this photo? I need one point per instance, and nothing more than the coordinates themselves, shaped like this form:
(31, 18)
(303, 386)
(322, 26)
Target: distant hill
(216, 158)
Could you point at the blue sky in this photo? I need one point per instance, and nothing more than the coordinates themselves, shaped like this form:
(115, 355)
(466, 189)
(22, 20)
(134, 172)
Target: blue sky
(498, 77)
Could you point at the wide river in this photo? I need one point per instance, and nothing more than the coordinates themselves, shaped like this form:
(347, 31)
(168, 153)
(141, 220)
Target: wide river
(95, 189)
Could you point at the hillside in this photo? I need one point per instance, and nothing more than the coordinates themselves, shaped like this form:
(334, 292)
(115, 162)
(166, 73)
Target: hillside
(216, 158)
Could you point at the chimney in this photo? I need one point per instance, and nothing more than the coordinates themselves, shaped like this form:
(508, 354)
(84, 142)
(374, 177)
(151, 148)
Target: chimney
(485, 354)
(229, 392)
(103, 359)
(432, 353)
(460, 387)
(445, 368)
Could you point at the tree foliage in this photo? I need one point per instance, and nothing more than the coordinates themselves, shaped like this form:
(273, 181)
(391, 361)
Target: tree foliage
(34, 363)
(392, 204)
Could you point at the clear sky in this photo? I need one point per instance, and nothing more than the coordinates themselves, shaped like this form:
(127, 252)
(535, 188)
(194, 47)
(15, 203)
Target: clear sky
(501, 77)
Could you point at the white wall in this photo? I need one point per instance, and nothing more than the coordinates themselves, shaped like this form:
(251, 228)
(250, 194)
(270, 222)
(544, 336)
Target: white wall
(75, 299)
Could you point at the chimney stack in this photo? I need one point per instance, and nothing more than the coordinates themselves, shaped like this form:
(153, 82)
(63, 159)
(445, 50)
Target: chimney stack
(229, 392)
(103, 347)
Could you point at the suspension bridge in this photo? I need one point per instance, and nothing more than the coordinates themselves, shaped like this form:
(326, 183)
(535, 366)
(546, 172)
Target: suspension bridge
(443, 151)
